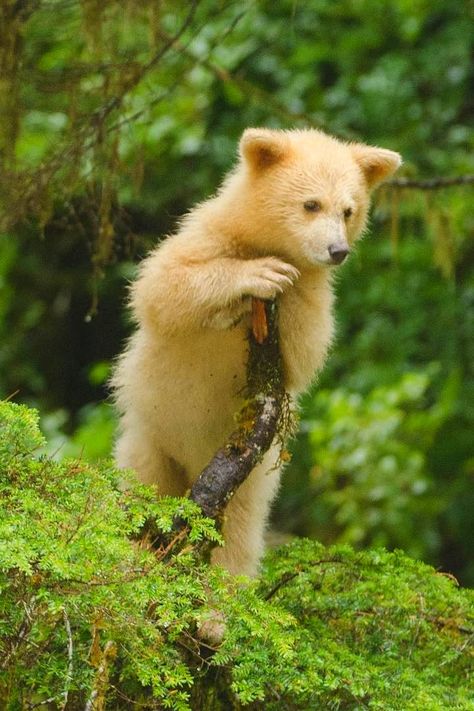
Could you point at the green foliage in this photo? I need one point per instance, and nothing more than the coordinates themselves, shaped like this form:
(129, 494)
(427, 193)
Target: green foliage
(70, 568)
(92, 438)
(374, 629)
(92, 613)
(370, 461)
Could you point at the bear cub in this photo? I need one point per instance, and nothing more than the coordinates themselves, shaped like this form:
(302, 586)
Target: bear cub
(283, 219)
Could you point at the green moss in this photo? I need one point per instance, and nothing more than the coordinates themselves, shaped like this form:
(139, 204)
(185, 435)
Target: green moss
(265, 376)
(264, 364)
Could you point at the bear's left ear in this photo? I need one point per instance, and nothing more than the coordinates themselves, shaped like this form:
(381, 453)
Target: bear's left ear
(377, 164)
(262, 147)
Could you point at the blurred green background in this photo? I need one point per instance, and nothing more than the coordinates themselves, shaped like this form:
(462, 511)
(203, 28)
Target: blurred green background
(117, 117)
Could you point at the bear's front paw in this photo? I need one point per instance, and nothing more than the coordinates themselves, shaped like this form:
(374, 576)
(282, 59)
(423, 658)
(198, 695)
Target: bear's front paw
(267, 277)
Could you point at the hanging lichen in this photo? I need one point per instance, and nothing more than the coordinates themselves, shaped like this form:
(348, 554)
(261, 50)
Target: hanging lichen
(102, 67)
(12, 20)
(93, 21)
(444, 246)
(395, 223)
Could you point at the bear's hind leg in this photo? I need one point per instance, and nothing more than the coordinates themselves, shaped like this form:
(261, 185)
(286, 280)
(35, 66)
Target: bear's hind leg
(245, 521)
(153, 466)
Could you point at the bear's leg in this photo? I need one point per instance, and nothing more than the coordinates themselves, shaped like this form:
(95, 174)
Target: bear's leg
(135, 450)
(245, 521)
(244, 527)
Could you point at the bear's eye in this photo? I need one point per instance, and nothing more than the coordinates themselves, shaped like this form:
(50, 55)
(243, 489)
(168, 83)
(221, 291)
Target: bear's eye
(347, 213)
(312, 206)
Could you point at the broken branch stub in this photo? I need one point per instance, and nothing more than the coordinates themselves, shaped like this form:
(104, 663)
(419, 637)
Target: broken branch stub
(259, 422)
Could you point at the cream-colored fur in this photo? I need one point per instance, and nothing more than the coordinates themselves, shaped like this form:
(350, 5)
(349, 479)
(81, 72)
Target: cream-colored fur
(179, 381)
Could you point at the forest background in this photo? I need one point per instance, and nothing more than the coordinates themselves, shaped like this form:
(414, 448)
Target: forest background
(117, 117)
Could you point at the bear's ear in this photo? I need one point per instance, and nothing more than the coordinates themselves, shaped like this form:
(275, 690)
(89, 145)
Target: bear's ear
(262, 147)
(377, 164)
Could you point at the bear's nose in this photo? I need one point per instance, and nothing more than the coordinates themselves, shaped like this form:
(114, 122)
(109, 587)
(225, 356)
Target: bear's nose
(338, 252)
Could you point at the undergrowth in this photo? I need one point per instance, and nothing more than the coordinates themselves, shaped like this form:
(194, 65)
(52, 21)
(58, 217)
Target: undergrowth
(95, 615)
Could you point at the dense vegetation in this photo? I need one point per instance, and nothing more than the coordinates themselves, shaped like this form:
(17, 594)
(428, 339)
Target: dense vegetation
(114, 119)
(115, 132)
(91, 617)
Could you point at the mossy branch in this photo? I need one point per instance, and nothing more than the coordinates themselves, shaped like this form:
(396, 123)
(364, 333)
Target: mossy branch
(437, 183)
(262, 419)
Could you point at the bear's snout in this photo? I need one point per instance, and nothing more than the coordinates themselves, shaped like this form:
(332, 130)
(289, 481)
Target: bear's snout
(338, 251)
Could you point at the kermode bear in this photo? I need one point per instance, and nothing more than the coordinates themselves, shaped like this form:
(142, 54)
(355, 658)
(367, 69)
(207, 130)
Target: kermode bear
(289, 211)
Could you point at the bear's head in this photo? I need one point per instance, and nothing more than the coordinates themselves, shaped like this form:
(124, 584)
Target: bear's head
(306, 193)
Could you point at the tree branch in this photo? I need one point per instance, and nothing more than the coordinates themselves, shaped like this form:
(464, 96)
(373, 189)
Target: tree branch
(96, 701)
(263, 418)
(431, 183)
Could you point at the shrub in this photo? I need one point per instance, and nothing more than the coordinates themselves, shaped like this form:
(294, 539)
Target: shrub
(94, 615)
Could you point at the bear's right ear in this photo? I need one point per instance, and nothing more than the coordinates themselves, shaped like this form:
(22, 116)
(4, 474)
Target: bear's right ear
(377, 164)
(262, 147)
